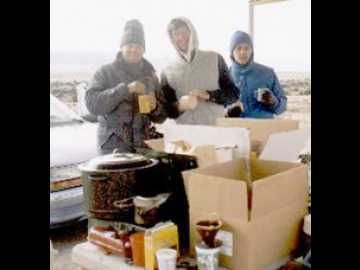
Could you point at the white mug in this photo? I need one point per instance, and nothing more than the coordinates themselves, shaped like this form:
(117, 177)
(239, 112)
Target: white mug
(188, 103)
(260, 92)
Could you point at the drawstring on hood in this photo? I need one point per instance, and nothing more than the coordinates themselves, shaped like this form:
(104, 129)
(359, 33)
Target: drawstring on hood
(193, 42)
(238, 38)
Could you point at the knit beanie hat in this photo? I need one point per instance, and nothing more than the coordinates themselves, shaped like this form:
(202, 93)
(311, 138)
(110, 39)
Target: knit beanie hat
(238, 38)
(133, 33)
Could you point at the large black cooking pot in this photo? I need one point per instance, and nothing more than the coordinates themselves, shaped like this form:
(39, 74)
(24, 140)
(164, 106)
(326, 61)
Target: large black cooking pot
(116, 177)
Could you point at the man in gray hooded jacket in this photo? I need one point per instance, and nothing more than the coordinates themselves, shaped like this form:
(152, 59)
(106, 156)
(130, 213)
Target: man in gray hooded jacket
(113, 95)
(201, 75)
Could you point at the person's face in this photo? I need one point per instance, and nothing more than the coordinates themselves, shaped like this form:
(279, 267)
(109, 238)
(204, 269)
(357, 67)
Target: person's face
(242, 53)
(181, 37)
(133, 52)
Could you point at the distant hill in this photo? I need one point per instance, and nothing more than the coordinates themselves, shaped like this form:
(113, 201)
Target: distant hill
(69, 66)
(80, 58)
(293, 75)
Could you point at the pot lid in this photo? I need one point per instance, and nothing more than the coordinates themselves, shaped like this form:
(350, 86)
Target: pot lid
(118, 161)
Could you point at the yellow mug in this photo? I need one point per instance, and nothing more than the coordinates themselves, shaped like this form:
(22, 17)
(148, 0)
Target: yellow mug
(145, 104)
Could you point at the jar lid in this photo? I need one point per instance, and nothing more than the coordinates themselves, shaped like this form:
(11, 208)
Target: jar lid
(307, 224)
(118, 161)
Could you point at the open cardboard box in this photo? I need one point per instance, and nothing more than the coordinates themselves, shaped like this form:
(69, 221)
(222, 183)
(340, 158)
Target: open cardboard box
(219, 145)
(205, 155)
(260, 130)
(279, 203)
(156, 144)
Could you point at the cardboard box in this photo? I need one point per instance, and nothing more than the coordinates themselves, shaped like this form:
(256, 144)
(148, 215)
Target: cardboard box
(260, 129)
(279, 203)
(205, 155)
(156, 144)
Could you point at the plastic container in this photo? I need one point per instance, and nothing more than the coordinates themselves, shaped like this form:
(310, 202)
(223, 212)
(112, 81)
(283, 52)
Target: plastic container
(138, 248)
(208, 258)
(166, 259)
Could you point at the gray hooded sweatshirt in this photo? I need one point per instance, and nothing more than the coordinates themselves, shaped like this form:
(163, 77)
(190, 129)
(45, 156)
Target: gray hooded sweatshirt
(199, 70)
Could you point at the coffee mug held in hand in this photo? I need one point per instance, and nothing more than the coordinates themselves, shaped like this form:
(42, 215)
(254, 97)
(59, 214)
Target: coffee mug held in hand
(145, 104)
(259, 94)
(188, 103)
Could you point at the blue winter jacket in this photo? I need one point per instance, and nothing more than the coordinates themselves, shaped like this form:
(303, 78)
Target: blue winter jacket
(251, 77)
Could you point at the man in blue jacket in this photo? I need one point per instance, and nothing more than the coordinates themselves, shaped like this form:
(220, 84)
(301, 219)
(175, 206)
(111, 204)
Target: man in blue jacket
(261, 93)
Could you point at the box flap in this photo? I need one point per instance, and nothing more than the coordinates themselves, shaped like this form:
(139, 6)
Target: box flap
(227, 197)
(276, 185)
(286, 146)
(260, 129)
(157, 144)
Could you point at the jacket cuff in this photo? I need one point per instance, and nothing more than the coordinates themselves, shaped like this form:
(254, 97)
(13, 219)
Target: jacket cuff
(212, 96)
(277, 102)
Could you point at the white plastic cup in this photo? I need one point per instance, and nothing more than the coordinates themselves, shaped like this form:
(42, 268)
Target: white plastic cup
(166, 258)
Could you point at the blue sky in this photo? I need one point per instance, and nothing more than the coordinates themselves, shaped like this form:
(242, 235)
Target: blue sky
(282, 31)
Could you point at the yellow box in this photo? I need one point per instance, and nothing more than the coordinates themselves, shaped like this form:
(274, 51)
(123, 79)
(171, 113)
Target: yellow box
(165, 236)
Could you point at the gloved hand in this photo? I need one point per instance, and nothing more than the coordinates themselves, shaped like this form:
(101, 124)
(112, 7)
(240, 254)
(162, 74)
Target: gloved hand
(136, 87)
(269, 99)
(235, 110)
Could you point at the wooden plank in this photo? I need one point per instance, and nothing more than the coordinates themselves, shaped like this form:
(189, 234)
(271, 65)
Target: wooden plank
(59, 185)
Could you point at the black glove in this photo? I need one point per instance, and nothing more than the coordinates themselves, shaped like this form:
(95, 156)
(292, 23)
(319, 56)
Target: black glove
(269, 99)
(234, 111)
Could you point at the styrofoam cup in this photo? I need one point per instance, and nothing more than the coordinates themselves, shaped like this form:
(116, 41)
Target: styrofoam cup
(166, 258)
(207, 258)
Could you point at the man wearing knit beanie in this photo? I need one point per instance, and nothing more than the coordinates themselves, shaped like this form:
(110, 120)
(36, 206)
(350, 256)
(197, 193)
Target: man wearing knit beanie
(113, 95)
(261, 93)
(133, 42)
